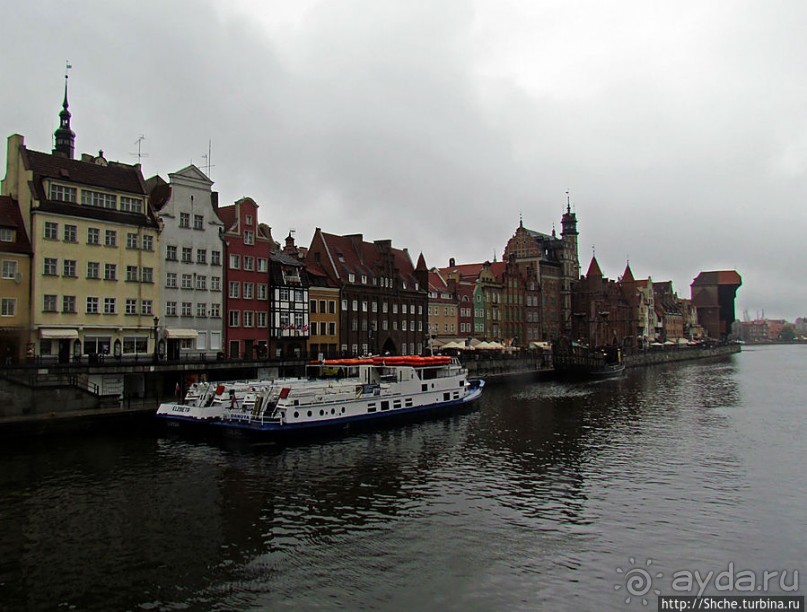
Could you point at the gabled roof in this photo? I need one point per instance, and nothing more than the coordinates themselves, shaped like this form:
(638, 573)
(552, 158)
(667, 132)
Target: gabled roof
(627, 275)
(11, 218)
(594, 269)
(351, 254)
(114, 176)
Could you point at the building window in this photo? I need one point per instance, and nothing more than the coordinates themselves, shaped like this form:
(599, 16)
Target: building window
(234, 317)
(51, 230)
(49, 303)
(198, 222)
(184, 219)
(186, 309)
(283, 294)
(261, 316)
(111, 238)
(215, 310)
(249, 291)
(351, 278)
(132, 241)
(312, 306)
(187, 281)
(9, 268)
(201, 282)
(201, 256)
(171, 309)
(92, 305)
(7, 234)
(215, 283)
(249, 262)
(93, 235)
(171, 252)
(129, 204)
(69, 268)
(344, 305)
(263, 291)
(131, 274)
(8, 307)
(98, 199)
(146, 307)
(148, 275)
(70, 233)
(187, 253)
(135, 344)
(263, 264)
(201, 310)
(49, 268)
(249, 237)
(235, 289)
(247, 219)
(247, 318)
(215, 258)
(60, 193)
(171, 280)
(331, 329)
(131, 306)
(109, 305)
(235, 262)
(110, 271)
(148, 243)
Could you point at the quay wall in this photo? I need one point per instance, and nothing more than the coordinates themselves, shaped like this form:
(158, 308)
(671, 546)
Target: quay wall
(654, 357)
(55, 405)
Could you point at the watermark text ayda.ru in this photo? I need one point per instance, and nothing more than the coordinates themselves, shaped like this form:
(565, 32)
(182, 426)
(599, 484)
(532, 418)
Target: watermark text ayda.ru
(732, 580)
(641, 581)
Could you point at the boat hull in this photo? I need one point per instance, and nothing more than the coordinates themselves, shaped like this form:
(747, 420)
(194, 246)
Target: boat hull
(347, 422)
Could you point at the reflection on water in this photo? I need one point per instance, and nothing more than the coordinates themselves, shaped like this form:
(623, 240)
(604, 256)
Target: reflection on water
(529, 501)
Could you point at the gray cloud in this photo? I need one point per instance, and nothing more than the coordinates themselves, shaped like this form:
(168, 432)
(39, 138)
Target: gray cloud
(677, 127)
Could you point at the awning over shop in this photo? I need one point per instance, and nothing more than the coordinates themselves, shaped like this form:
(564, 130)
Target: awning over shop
(177, 333)
(55, 333)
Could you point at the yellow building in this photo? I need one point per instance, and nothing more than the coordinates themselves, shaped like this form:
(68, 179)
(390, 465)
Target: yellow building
(15, 280)
(323, 316)
(95, 265)
(443, 309)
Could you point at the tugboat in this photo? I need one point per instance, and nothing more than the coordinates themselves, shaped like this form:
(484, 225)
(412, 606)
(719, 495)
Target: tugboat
(334, 393)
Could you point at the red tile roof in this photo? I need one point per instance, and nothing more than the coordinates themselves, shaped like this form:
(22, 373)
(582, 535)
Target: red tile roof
(718, 277)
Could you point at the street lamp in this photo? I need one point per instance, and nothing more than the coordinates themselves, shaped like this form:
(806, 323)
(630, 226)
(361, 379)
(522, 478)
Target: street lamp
(156, 327)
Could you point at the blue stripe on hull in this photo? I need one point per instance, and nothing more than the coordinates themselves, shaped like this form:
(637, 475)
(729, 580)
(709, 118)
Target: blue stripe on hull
(324, 425)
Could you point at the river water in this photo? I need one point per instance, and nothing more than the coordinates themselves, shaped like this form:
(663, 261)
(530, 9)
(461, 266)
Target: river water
(544, 496)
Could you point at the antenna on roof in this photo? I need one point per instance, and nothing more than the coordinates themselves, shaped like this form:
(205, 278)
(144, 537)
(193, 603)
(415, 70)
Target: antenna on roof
(139, 153)
(208, 165)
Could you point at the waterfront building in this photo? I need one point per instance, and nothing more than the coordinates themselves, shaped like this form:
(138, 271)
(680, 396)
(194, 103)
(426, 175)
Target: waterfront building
(323, 313)
(289, 327)
(15, 282)
(383, 295)
(192, 275)
(713, 296)
(603, 313)
(247, 247)
(553, 264)
(94, 241)
(443, 309)
(669, 316)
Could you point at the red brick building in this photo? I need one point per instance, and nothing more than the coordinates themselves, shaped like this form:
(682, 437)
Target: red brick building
(247, 248)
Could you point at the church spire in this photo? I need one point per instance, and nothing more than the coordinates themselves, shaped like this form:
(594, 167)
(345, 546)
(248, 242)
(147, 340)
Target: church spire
(65, 137)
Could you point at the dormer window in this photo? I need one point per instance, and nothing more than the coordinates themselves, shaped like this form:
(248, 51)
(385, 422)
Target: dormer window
(351, 277)
(248, 220)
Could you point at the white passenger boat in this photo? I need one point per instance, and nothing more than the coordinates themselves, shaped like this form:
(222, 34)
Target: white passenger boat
(334, 393)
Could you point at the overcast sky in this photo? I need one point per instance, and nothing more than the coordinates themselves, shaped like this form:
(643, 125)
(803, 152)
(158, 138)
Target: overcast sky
(679, 128)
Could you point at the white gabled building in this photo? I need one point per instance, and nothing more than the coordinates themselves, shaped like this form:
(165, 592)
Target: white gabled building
(192, 251)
